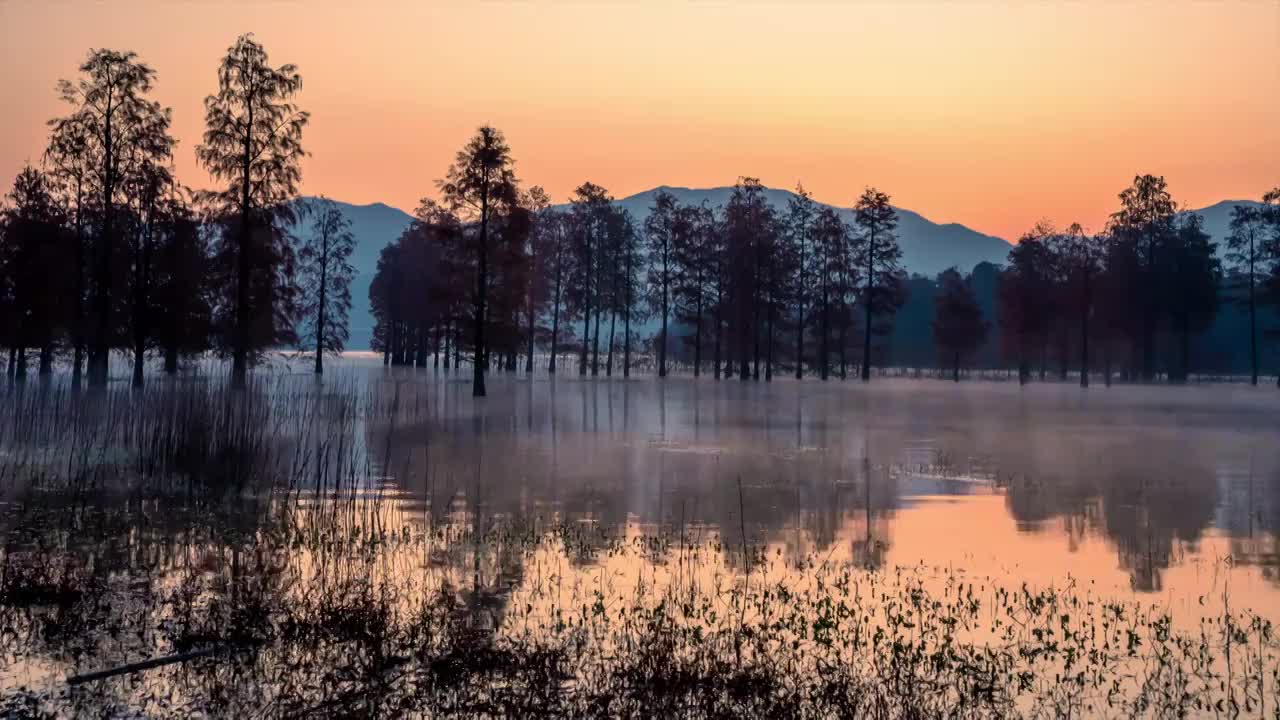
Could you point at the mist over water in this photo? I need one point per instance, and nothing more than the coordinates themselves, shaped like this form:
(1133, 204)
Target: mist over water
(1171, 492)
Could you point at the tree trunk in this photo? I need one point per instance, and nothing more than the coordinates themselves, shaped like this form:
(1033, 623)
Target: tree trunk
(1253, 322)
(955, 367)
(482, 289)
(866, 342)
(1084, 336)
(697, 336)
(77, 363)
(240, 354)
(100, 351)
(608, 365)
(324, 278)
(555, 327)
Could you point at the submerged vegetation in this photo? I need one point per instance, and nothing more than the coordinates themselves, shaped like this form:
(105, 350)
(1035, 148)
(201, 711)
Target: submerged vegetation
(192, 550)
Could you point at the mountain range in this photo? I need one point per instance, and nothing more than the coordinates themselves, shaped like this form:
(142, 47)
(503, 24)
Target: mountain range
(927, 247)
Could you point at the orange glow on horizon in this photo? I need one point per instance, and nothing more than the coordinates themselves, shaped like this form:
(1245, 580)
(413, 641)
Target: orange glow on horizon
(988, 114)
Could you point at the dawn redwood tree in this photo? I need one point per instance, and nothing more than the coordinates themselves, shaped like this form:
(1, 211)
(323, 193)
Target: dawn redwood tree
(1025, 296)
(480, 183)
(325, 272)
(958, 326)
(112, 127)
(148, 187)
(1145, 220)
(1081, 264)
(253, 144)
(877, 256)
(628, 263)
(70, 156)
(35, 249)
(553, 233)
(831, 250)
(693, 255)
(1192, 275)
(800, 218)
(541, 249)
(660, 230)
(591, 206)
(182, 293)
(1246, 251)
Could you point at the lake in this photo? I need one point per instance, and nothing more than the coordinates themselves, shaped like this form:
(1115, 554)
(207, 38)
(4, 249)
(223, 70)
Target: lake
(557, 513)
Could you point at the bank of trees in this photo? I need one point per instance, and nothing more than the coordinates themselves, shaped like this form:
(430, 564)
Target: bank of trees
(103, 249)
(740, 290)
(1131, 300)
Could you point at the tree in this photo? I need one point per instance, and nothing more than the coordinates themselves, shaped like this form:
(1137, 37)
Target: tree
(481, 180)
(831, 266)
(1081, 263)
(877, 255)
(182, 293)
(660, 229)
(800, 215)
(541, 256)
(1246, 246)
(70, 156)
(1025, 297)
(147, 187)
(553, 233)
(693, 255)
(325, 272)
(591, 206)
(33, 255)
(958, 326)
(750, 234)
(253, 142)
(1145, 220)
(114, 128)
(1192, 276)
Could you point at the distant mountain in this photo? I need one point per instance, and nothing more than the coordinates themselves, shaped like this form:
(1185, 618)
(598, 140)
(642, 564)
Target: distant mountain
(1217, 219)
(928, 248)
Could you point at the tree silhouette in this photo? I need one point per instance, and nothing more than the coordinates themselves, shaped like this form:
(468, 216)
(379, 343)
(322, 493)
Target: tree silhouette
(554, 238)
(182, 291)
(34, 247)
(1192, 276)
(591, 206)
(832, 240)
(541, 255)
(253, 143)
(1025, 297)
(147, 188)
(1080, 264)
(1246, 246)
(1145, 221)
(325, 272)
(70, 156)
(664, 229)
(480, 181)
(876, 253)
(958, 326)
(114, 128)
(694, 257)
(800, 218)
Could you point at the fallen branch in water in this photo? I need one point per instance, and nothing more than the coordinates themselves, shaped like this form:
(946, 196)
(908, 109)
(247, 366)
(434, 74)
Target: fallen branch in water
(144, 665)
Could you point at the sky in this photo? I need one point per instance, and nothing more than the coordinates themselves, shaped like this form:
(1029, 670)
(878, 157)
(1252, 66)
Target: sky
(990, 114)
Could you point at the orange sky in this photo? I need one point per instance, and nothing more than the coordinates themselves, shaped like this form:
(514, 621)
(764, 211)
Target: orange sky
(989, 114)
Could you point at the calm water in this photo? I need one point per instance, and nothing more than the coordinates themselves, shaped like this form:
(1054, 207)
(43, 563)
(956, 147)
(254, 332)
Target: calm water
(1171, 493)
